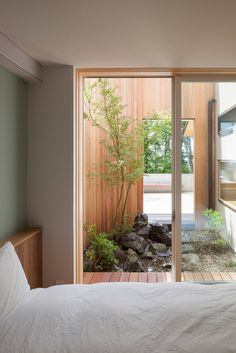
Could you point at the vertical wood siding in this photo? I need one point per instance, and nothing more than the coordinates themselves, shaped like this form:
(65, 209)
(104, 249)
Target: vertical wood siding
(142, 96)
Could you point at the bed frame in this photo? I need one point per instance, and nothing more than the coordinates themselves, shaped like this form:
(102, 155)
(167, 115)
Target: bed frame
(28, 246)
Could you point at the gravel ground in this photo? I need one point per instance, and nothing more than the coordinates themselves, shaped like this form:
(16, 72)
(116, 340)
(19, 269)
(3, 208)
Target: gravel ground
(212, 258)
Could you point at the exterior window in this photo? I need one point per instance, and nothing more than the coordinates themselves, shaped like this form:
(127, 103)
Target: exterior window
(227, 122)
(227, 183)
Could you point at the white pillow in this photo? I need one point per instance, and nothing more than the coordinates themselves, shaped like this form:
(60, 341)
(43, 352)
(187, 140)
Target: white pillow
(13, 282)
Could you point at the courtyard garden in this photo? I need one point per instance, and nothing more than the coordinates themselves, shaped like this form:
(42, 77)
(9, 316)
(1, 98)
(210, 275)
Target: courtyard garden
(131, 149)
(147, 247)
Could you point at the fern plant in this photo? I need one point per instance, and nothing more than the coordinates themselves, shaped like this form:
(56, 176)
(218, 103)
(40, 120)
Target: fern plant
(100, 255)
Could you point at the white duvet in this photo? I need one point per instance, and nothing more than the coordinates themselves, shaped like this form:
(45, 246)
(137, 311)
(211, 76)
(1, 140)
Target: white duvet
(123, 318)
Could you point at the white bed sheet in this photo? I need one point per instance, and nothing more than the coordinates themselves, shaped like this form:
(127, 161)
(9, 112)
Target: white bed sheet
(123, 318)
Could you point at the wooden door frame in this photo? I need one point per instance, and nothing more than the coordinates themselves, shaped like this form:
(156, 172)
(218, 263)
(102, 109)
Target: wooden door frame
(178, 76)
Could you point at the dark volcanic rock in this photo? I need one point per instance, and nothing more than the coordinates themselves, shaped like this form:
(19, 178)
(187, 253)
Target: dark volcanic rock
(164, 254)
(132, 263)
(167, 266)
(161, 228)
(158, 247)
(140, 221)
(135, 267)
(120, 255)
(131, 255)
(148, 255)
(160, 233)
(134, 241)
(144, 231)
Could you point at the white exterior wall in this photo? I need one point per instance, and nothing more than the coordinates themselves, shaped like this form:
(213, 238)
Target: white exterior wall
(155, 180)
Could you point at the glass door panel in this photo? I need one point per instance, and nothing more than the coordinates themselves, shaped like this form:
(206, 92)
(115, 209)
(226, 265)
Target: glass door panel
(208, 163)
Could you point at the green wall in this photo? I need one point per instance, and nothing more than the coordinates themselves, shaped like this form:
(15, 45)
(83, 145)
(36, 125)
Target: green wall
(12, 154)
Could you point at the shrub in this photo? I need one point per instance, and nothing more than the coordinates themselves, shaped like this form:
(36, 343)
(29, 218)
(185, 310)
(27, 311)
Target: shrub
(219, 243)
(230, 263)
(119, 230)
(214, 221)
(100, 254)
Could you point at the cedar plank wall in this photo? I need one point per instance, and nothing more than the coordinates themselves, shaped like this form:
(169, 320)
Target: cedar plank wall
(195, 100)
(143, 96)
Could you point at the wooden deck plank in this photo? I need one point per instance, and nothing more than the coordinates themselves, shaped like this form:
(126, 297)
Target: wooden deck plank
(152, 277)
(207, 276)
(87, 277)
(225, 276)
(197, 276)
(216, 276)
(161, 277)
(115, 277)
(133, 277)
(188, 276)
(96, 278)
(106, 276)
(168, 277)
(124, 277)
(143, 276)
(232, 275)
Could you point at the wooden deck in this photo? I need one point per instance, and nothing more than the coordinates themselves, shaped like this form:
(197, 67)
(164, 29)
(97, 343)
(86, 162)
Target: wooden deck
(155, 277)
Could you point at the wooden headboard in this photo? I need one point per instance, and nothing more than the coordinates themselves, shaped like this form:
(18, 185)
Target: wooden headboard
(28, 246)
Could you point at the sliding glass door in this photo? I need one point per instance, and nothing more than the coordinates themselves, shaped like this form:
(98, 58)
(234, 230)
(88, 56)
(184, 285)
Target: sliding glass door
(188, 190)
(206, 190)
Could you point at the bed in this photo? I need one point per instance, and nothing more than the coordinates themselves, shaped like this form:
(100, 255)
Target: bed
(113, 317)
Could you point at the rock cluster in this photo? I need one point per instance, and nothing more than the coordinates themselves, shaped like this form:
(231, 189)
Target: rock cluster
(145, 241)
(147, 247)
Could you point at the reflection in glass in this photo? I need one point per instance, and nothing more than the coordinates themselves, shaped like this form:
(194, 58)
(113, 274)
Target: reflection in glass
(227, 182)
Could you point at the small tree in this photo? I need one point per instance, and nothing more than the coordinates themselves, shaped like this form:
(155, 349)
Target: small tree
(123, 141)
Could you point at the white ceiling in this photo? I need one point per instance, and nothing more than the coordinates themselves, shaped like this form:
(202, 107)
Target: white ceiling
(124, 33)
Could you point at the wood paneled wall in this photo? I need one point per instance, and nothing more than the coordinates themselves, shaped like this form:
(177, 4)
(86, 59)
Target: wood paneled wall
(28, 246)
(142, 97)
(195, 98)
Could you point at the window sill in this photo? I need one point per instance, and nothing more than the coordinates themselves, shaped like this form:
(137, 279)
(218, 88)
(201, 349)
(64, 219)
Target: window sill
(229, 204)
